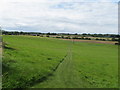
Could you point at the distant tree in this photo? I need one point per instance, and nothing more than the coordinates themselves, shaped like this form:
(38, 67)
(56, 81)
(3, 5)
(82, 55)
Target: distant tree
(62, 36)
(68, 37)
(114, 39)
(87, 38)
(47, 36)
(84, 34)
(58, 37)
(53, 33)
(97, 39)
(75, 37)
(75, 34)
(21, 33)
(48, 33)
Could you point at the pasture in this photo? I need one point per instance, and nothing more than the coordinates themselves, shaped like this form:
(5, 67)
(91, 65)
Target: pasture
(40, 62)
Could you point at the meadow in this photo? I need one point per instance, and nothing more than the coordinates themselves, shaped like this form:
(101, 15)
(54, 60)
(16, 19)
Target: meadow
(41, 62)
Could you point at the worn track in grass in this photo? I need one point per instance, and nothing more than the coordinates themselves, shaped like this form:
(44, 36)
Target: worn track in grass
(64, 76)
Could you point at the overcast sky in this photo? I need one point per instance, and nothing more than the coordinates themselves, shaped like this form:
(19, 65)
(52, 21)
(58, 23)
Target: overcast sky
(69, 16)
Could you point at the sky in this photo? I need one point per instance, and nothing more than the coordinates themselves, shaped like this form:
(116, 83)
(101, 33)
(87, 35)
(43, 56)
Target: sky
(60, 16)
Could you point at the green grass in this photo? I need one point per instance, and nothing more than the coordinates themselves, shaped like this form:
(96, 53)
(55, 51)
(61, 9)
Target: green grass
(27, 59)
(0, 71)
(30, 58)
(97, 63)
(1, 74)
(89, 65)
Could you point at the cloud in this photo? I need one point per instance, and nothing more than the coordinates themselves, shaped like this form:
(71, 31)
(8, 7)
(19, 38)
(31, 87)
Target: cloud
(73, 16)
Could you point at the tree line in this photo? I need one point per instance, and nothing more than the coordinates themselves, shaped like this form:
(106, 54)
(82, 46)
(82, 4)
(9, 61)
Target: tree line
(39, 33)
(84, 36)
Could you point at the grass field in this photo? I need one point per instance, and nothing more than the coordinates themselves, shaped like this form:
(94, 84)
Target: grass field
(0, 73)
(51, 63)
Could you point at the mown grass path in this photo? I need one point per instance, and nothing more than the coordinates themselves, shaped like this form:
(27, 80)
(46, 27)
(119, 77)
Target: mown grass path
(66, 75)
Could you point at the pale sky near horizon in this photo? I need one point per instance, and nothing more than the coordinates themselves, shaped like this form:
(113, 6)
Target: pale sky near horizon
(61, 16)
